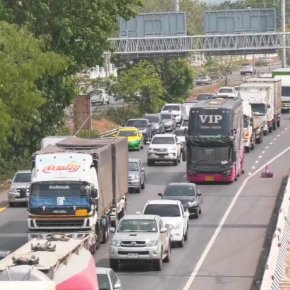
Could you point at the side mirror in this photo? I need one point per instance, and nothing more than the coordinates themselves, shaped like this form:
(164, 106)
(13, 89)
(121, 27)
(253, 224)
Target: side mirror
(269, 106)
(160, 194)
(117, 285)
(138, 212)
(112, 230)
(163, 230)
(199, 194)
(94, 193)
(114, 135)
(142, 169)
(9, 181)
(178, 124)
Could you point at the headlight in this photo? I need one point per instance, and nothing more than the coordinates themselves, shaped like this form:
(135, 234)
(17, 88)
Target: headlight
(13, 191)
(135, 177)
(192, 203)
(152, 243)
(171, 150)
(116, 243)
(150, 150)
(177, 226)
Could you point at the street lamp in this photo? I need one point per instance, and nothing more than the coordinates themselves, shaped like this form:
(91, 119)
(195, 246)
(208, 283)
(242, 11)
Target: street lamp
(283, 25)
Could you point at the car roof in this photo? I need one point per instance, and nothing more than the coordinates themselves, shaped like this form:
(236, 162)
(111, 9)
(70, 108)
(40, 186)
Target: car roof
(23, 171)
(226, 88)
(164, 135)
(134, 159)
(128, 129)
(140, 217)
(102, 270)
(163, 201)
(137, 119)
(172, 104)
(181, 183)
(151, 114)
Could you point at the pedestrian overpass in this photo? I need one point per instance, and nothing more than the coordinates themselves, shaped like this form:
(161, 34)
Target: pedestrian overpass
(227, 44)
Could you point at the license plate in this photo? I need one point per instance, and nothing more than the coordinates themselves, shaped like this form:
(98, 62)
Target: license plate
(132, 255)
(209, 178)
(161, 156)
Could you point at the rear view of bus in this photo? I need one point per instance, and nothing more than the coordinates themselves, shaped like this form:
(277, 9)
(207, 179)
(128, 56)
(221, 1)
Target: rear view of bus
(214, 144)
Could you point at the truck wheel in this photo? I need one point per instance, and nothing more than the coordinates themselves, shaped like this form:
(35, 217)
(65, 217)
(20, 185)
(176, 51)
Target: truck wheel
(175, 162)
(138, 189)
(180, 244)
(270, 129)
(157, 264)
(114, 264)
(278, 123)
(150, 162)
(98, 239)
(11, 204)
(186, 234)
(143, 185)
(105, 235)
(275, 124)
(168, 254)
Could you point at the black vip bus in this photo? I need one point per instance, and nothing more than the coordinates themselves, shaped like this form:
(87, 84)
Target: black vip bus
(214, 141)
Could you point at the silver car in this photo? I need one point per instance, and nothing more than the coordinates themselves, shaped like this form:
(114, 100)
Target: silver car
(19, 188)
(108, 279)
(136, 175)
(140, 238)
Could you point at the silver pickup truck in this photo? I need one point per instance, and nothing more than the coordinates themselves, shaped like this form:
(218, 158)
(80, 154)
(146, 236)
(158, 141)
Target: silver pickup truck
(136, 175)
(140, 238)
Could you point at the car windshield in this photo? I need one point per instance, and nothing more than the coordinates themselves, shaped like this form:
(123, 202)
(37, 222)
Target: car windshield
(204, 97)
(179, 190)
(163, 140)
(171, 108)
(225, 90)
(137, 225)
(166, 117)
(133, 166)
(179, 132)
(152, 119)
(104, 283)
(137, 123)
(22, 178)
(127, 133)
(163, 210)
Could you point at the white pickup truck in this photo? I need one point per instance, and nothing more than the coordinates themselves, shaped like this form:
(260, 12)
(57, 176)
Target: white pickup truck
(100, 97)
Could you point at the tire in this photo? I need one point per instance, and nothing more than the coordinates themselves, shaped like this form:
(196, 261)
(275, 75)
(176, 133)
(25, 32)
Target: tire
(275, 124)
(265, 133)
(98, 240)
(11, 204)
(180, 244)
(105, 235)
(114, 264)
(157, 264)
(167, 259)
(150, 162)
(278, 123)
(143, 184)
(196, 214)
(270, 129)
(138, 189)
(247, 149)
(186, 234)
(175, 162)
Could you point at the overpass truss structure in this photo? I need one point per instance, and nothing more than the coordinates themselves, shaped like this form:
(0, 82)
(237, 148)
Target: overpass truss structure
(252, 43)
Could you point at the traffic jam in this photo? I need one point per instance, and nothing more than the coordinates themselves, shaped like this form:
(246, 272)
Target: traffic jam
(76, 192)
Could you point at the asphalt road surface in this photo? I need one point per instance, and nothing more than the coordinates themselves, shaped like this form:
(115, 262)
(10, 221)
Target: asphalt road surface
(224, 244)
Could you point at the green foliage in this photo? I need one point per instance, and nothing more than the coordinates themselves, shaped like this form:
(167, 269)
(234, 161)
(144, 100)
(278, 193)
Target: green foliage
(177, 76)
(23, 62)
(140, 86)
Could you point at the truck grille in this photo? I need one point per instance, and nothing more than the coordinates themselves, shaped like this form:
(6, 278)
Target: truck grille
(133, 244)
(162, 150)
(60, 223)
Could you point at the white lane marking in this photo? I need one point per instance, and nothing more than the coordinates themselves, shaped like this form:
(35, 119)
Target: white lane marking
(14, 235)
(263, 151)
(253, 167)
(249, 173)
(266, 147)
(275, 139)
(278, 135)
(256, 161)
(271, 143)
(260, 156)
(222, 222)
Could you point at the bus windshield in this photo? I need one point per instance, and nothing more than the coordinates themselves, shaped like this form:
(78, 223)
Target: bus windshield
(210, 154)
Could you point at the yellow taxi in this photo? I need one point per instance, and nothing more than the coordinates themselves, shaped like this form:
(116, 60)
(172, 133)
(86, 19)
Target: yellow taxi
(134, 136)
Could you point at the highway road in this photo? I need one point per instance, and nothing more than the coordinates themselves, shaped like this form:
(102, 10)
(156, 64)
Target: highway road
(224, 244)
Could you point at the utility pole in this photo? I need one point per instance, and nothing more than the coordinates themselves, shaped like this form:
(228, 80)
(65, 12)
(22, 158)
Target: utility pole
(177, 5)
(283, 25)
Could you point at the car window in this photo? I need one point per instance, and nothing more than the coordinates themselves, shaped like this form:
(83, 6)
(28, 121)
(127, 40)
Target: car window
(166, 117)
(171, 108)
(137, 225)
(152, 118)
(104, 283)
(163, 210)
(113, 277)
(225, 91)
(178, 190)
(22, 178)
(133, 166)
(127, 133)
(163, 140)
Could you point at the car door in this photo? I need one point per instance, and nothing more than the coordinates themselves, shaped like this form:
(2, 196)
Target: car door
(184, 218)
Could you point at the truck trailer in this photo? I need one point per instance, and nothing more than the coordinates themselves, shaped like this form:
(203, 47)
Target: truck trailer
(78, 187)
(283, 74)
(58, 262)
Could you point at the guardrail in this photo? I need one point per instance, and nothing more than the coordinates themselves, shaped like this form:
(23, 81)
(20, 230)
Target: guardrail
(276, 262)
(109, 133)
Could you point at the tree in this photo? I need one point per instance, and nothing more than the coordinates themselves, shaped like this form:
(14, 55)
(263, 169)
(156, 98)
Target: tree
(141, 86)
(23, 62)
(177, 76)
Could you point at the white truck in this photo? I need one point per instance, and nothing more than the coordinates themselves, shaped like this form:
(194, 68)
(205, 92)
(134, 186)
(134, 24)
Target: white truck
(78, 187)
(56, 263)
(274, 98)
(252, 130)
(185, 108)
(283, 74)
(262, 102)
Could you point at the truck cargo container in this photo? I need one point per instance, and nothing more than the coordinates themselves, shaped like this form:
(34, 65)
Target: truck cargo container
(78, 187)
